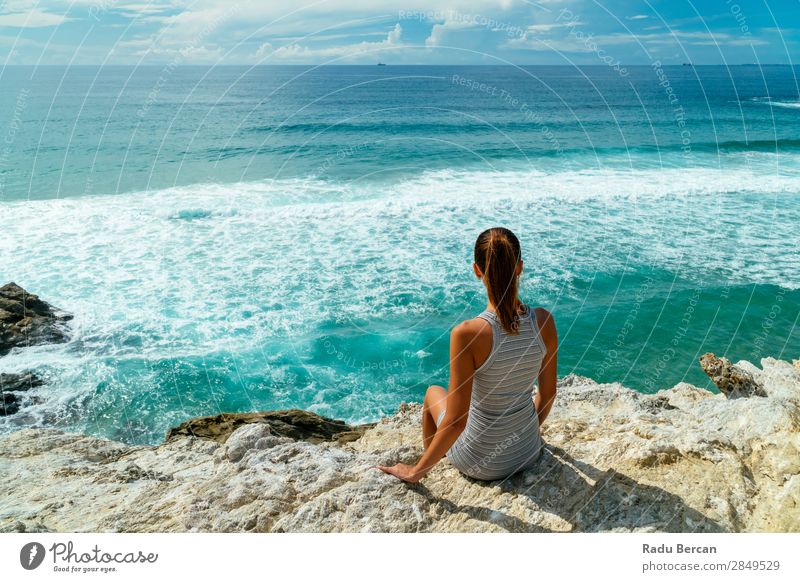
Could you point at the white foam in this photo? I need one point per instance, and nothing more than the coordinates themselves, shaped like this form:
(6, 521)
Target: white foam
(773, 103)
(261, 265)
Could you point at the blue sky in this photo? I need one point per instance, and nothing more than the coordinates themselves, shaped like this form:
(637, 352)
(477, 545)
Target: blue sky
(398, 32)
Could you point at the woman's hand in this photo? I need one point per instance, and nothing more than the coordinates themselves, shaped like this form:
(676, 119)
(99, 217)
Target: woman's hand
(403, 472)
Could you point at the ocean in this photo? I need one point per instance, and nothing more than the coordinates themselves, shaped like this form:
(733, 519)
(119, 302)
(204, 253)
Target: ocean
(250, 238)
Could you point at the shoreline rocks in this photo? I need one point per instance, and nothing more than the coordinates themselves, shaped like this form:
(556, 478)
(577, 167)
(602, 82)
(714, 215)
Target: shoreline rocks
(13, 388)
(295, 424)
(681, 460)
(26, 320)
(732, 381)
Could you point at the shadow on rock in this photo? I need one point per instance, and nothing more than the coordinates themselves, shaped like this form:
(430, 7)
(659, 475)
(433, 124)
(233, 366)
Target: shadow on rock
(586, 498)
(592, 500)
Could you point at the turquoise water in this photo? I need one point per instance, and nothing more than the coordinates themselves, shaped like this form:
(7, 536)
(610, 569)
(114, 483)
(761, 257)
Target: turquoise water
(235, 239)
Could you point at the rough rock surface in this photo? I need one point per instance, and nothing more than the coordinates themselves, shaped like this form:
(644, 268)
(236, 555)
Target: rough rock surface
(732, 381)
(13, 388)
(26, 320)
(683, 459)
(295, 424)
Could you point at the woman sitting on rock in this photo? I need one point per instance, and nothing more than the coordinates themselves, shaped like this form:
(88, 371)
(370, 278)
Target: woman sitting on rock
(488, 422)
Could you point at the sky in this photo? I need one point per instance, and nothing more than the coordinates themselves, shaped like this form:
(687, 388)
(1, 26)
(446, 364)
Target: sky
(523, 32)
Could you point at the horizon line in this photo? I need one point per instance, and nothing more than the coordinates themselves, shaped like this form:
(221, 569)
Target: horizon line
(595, 65)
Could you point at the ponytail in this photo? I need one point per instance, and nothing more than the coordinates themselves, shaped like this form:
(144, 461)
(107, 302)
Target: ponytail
(497, 254)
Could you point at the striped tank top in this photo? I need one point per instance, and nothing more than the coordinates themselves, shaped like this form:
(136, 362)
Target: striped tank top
(502, 432)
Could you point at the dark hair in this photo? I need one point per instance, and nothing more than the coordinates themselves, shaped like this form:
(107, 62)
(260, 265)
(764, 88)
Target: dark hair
(497, 253)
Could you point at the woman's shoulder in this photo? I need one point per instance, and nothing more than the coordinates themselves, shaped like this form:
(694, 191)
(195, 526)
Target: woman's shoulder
(470, 328)
(546, 323)
(474, 337)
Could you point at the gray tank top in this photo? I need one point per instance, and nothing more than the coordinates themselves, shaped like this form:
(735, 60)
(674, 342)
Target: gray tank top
(502, 433)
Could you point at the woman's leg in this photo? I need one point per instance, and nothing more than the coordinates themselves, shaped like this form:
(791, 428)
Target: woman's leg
(432, 407)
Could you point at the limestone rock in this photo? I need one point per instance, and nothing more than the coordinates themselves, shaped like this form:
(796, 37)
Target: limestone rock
(732, 380)
(26, 320)
(681, 460)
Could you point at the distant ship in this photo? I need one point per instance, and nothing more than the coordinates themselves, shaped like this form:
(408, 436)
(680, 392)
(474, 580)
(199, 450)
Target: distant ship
(381, 64)
(688, 65)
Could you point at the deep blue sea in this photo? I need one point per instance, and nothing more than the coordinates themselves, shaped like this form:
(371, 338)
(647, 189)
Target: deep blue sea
(236, 238)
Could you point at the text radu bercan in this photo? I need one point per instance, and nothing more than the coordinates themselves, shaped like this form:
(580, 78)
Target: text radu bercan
(677, 549)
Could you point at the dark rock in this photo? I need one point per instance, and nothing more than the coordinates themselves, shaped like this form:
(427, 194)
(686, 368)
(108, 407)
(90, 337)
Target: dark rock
(11, 388)
(18, 526)
(9, 404)
(295, 424)
(732, 381)
(26, 320)
(657, 404)
(19, 382)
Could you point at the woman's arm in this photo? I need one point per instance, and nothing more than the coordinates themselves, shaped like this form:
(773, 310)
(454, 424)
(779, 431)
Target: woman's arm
(462, 368)
(548, 374)
(459, 393)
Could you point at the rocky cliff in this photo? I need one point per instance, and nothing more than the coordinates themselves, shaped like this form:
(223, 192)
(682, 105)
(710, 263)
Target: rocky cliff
(684, 459)
(25, 320)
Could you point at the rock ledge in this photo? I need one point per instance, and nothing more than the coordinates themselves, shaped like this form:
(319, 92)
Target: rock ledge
(681, 460)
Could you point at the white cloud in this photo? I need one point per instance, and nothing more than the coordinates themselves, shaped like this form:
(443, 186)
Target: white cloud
(307, 31)
(264, 50)
(436, 38)
(674, 38)
(394, 35)
(32, 19)
(455, 22)
(320, 37)
(363, 51)
(540, 28)
(201, 53)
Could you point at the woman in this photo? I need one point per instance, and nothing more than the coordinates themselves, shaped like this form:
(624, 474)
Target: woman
(488, 422)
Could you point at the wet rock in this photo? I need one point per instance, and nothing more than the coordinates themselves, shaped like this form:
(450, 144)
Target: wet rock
(26, 320)
(19, 382)
(295, 424)
(13, 388)
(732, 380)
